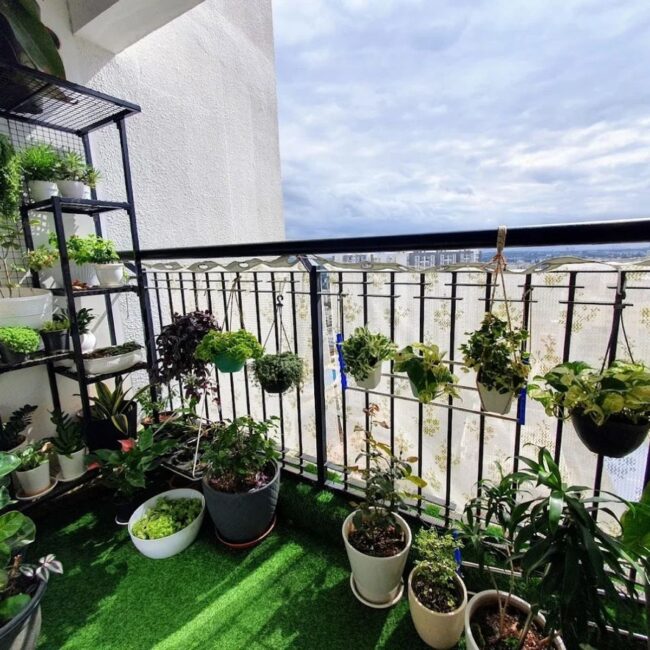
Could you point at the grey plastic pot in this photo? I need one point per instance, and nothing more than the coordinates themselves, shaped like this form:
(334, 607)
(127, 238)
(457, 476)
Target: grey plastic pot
(243, 517)
(22, 631)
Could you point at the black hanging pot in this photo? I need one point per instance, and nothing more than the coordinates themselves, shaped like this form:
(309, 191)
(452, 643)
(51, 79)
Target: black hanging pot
(281, 385)
(103, 434)
(616, 438)
(56, 341)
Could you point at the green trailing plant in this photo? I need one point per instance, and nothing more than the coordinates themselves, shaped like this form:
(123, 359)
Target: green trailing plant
(39, 162)
(166, 517)
(240, 345)
(113, 404)
(20, 340)
(620, 392)
(11, 237)
(69, 434)
(11, 431)
(429, 375)
(494, 352)
(363, 350)
(239, 456)
(279, 372)
(33, 456)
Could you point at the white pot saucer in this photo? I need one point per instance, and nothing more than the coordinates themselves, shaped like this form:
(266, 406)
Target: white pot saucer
(367, 603)
(59, 477)
(21, 496)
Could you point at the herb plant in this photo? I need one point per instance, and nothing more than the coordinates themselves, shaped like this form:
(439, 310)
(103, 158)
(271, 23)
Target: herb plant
(72, 167)
(61, 324)
(41, 258)
(278, 372)
(91, 249)
(240, 345)
(39, 162)
(69, 435)
(11, 431)
(33, 456)
(21, 340)
(166, 517)
(363, 350)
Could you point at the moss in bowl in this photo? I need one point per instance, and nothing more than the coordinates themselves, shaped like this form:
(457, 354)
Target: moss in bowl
(277, 373)
(167, 517)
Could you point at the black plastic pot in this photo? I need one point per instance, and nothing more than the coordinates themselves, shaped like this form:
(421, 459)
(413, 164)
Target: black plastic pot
(616, 438)
(279, 386)
(56, 341)
(243, 517)
(103, 434)
(10, 357)
(22, 631)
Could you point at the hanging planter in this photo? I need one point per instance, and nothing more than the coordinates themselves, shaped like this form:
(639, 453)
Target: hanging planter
(363, 354)
(277, 373)
(229, 351)
(615, 438)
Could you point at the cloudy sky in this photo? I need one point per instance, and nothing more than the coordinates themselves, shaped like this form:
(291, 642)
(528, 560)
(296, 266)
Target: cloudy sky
(402, 116)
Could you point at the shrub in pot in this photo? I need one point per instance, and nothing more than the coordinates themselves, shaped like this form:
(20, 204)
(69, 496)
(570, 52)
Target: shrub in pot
(39, 164)
(17, 343)
(12, 432)
(610, 410)
(429, 376)
(363, 354)
(437, 594)
(277, 373)
(69, 445)
(33, 472)
(56, 334)
(229, 351)
(242, 481)
(377, 539)
(74, 176)
(494, 352)
(101, 253)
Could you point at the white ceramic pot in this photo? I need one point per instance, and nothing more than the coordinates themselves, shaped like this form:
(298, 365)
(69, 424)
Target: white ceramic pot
(110, 275)
(158, 549)
(84, 273)
(72, 466)
(105, 365)
(34, 481)
(490, 597)
(372, 380)
(494, 401)
(439, 630)
(26, 307)
(73, 189)
(377, 579)
(88, 342)
(42, 190)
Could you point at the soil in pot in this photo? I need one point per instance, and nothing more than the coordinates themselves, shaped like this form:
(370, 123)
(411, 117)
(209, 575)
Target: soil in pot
(251, 482)
(434, 599)
(485, 628)
(378, 542)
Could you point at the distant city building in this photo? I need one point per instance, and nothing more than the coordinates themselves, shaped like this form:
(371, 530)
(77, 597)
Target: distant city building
(426, 259)
(369, 258)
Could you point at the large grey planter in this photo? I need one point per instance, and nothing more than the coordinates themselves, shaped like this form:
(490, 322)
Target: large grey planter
(243, 517)
(21, 633)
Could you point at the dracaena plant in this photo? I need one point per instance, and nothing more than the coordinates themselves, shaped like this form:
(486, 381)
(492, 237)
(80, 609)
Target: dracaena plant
(114, 405)
(363, 350)
(11, 431)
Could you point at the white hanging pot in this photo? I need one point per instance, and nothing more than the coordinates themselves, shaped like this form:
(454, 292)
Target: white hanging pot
(440, 630)
(372, 380)
(34, 481)
(72, 189)
(25, 307)
(376, 581)
(88, 342)
(494, 401)
(110, 275)
(72, 466)
(42, 190)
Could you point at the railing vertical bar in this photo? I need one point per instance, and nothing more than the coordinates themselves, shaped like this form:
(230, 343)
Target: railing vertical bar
(344, 397)
(450, 412)
(172, 311)
(242, 325)
(364, 279)
(196, 292)
(294, 323)
(420, 405)
(278, 339)
(392, 374)
(181, 286)
(208, 292)
(481, 426)
(228, 327)
(259, 332)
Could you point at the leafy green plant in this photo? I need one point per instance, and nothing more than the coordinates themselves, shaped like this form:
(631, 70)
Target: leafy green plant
(69, 435)
(429, 375)
(91, 177)
(621, 391)
(73, 167)
(166, 517)
(91, 249)
(11, 430)
(84, 318)
(33, 456)
(113, 405)
(239, 454)
(11, 235)
(41, 258)
(39, 162)
(278, 372)
(58, 325)
(494, 351)
(363, 350)
(21, 340)
(239, 345)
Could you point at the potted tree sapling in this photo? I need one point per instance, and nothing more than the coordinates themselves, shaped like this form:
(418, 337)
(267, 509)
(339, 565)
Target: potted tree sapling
(39, 164)
(242, 481)
(56, 334)
(69, 445)
(33, 472)
(437, 594)
(13, 432)
(277, 373)
(428, 374)
(74, 176)
(17, 343)
(377, 539)
(364, 353)
(494, 352)
(229, 351)
(610, 410)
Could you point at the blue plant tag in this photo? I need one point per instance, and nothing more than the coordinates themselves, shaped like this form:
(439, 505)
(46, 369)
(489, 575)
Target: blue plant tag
(521, 406)
(339, 345)
(457, 554)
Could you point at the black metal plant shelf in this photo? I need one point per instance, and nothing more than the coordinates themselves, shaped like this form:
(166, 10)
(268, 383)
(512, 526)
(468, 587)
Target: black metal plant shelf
(37, 98)
(70, 373)
(37, 359)
(78, 206)
(97, 291)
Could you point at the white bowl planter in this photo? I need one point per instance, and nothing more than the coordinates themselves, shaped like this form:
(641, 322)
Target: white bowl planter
(26, 307)
(73, 189)
(494, 401)
(158, 549)
(42, 190)
(34, 481)
(439, 630)
(72, 466)
(377, 580)
(490, 597)
(110, 275)
(372, 380)
(105, 365)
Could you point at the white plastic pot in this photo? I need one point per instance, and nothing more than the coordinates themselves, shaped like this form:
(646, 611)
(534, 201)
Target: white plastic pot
(105, 365)
(26, 307)
(490, 597)
(84, 273)
(158, 549)
(494, 401)
(378, 580)
(439, 630)
(72, 466)
(72, 189)
(110, 275)
(34, 481)
(42, 190)
(88, 342)
(372, 380)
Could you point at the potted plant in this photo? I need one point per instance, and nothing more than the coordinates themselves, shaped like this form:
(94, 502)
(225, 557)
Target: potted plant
(33, 472)
(74, 176)
(494, 352)
(377, 539)
(229, 351)
(242, 481)
(39, 164)
(22, 585)
(69, 445)
(17, 343)
(56, 334)
(101, 253)
(12, 432)
(428, 375)
(610, 410)
(363, 355)
(114, 358)
(168, 523)
(87, 338)
(277, 373)
(437, 594)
